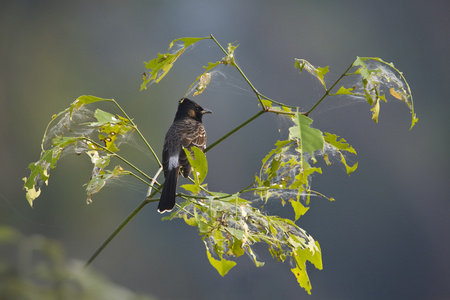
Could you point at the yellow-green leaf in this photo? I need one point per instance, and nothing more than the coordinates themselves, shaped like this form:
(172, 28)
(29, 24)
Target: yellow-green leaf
(299, 209)
(222, 266)
(344, 91)
(317, 72)
(302, 278)
(376, 110)
(161, 65)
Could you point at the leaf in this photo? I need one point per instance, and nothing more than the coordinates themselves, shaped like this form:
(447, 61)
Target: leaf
(88, 99)
(280, 145)
(380, 73)
(100, 176)
(31, 192)
(198, 162)
(302, 278)
(299, 209)
(229, 59)
(204, 80)
(40, 170)
(376, 110)
(317, 72)
(300, 257)
(236, 248)
(190, 221)
(396, 94)
(239, 234)
(112, 126)
(339, 146)
(344, 91)
(222, 266)
(161, 65)
(310, 139)
(193, 188)
(258, 264)
(77, 104)
(210, 66)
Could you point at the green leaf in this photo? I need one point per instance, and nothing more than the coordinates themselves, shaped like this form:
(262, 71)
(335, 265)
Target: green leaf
(100, 176)
(211, 66)
(203, 79)
(198, 162)
(236, 248)
(190, 221)
(349, 169)
(317, 72)
(40, 170)
(302, 278)
(344, 91)
(313, 254)
(77, 104)
(111, 127)
(104, 117)
(379, 76)
(88, 99)
(339, 146)
(299, 209)
(193, 188)
(161, 65)
(229, 59)
(376, 110)
(258, 264)
(280, 145)
(222, 266)
(239, 234)
(309, 139)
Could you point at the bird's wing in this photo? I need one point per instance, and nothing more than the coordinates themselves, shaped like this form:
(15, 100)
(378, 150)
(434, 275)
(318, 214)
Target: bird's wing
(193, 134)
(171, 149)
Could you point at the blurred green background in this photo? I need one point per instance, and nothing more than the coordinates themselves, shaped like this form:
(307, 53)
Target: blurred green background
(386, 236)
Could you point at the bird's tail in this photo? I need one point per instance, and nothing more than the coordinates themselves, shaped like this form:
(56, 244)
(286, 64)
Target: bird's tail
(167, 200)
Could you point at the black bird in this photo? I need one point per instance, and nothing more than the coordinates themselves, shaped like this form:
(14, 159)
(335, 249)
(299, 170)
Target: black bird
(186, 131)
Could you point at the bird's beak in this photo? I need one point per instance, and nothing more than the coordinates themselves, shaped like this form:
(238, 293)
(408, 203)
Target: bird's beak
(206, 111)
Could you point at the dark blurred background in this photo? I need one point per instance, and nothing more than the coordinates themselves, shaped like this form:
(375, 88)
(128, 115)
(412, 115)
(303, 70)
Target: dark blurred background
(386, 236)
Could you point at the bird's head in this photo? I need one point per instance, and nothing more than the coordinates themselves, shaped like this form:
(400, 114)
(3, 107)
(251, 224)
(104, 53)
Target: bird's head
(189, 108)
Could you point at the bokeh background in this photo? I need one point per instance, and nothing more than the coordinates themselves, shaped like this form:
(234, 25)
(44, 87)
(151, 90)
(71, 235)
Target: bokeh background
(387, 235)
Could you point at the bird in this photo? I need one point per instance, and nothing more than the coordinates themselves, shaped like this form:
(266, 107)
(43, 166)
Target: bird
(186, 131)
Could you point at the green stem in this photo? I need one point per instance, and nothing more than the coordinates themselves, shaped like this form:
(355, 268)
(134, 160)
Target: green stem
(141, 179)
(218, 44)
(118, 156)
(258, 95)
(327, 92)
(234, 130)
(138, 131)
(118, 229)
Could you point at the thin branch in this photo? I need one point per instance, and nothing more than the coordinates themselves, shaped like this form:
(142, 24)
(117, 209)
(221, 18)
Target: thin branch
(139, 132)
(234, 130)
(258, 95)
(142, 179)
(117, 230)
(327, 92)
(154, 181)
(118, 156)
